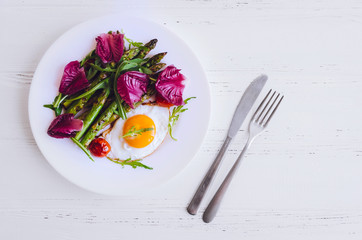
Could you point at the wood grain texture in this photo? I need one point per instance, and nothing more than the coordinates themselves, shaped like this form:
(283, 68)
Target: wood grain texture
(300, 180)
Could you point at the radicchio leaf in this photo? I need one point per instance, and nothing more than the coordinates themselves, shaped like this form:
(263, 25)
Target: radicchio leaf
(73, 79)
(65, 126)
(116, 43)
(170, 85)
(110, 46)
(131, 86)
(103, 50)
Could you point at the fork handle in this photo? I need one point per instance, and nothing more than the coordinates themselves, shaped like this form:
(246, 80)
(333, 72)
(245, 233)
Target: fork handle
(214, 204)
(199, 195)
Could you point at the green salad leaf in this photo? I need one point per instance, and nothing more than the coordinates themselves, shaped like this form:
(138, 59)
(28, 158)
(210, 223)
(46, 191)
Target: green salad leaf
(133, 163)
(175, 116)
(132, 132)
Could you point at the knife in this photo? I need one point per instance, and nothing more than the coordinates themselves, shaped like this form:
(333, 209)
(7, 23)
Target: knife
(246, 102)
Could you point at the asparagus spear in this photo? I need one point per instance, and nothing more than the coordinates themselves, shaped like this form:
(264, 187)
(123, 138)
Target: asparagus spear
(99, 124)
(78, 105)
(157, 67)
(97, 106)
(147, 48)
(155, 59)
(83, 115)
(91, 91)
(113, 118)
(74, 106)
(131, 53)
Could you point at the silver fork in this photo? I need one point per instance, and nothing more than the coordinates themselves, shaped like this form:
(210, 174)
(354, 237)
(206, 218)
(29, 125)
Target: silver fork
(257, 125)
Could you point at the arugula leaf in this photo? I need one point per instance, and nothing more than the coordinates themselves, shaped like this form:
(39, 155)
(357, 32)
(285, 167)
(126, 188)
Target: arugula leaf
(89, 56)
(119, 101)
(175, 116)
(139, 61)
(91, 73)
(132, 132)
(101, 85)
(126, 65)
(107, 69)
(132, 43)
(145, 70)
(133, 163)
(130, 65)
(56, 105)
(83, 148)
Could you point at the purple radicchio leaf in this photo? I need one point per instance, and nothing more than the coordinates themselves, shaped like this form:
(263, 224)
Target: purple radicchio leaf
(170, 85)
(116, 42)
(103, 50)
(110, 46)
(65, 126)
(131, 86)
(73, 79)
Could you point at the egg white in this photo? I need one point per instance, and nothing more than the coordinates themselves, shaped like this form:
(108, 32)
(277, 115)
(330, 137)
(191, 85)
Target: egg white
(119, 147)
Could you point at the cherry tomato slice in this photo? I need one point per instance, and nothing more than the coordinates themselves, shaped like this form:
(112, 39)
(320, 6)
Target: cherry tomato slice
(162, 102)
(99, 147)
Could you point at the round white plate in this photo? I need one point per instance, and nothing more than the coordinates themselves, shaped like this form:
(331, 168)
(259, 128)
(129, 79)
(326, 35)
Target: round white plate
(103, 176)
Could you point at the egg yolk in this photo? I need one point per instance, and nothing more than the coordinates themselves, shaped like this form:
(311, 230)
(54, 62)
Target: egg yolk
(140, 131)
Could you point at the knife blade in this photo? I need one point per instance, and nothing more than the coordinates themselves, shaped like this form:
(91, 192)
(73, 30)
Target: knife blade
(245, 104)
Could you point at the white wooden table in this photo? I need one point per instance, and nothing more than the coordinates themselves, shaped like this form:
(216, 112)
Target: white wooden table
(300, 180)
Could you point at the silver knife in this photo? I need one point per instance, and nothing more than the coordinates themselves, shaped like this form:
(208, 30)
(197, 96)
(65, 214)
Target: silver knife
(246, 102)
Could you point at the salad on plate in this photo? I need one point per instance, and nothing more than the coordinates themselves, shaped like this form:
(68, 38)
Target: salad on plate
(119, 101)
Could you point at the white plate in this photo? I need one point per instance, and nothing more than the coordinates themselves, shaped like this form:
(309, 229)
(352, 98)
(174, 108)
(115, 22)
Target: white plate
(103, 176)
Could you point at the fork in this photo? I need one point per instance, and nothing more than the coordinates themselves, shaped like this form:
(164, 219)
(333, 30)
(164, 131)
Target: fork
(257, 125)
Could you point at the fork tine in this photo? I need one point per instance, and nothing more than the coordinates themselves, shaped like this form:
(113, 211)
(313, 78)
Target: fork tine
(266, 105)
(260, 105)
(267, 112)
(271, 115)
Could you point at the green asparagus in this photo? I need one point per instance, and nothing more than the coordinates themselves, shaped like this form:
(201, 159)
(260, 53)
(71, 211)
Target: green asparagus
(155, 59)
(147, 48)
(130, 54)
(99, 124)
(93, 113)
(78, 105)
(100, 85)
(157, 67)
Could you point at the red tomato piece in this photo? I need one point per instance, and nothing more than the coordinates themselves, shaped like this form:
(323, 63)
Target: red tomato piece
(99, 147)
(162, 102)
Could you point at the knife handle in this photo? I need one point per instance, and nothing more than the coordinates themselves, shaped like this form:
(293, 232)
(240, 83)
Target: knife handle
(212, 208)
(199, 195)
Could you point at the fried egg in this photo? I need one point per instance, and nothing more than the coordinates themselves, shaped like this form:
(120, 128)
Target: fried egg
(140, 134)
